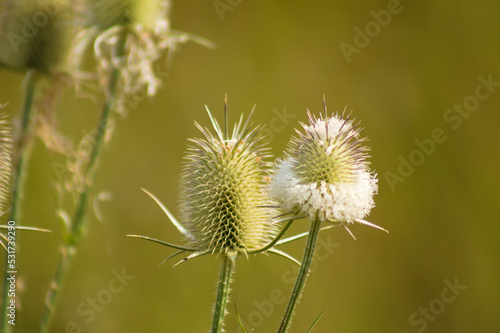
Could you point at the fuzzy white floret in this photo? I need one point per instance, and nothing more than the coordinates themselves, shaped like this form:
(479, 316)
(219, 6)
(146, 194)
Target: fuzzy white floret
(346, 202)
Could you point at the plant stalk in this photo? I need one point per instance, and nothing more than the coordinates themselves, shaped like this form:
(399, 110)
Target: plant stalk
(77, 226)
(67, 255)
(301, 277)
(21, 155)
(223, 289)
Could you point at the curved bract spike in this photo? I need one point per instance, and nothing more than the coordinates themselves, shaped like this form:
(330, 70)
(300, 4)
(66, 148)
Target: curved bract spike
(285, 219)
(316, 321)
(180, 36)
(349, 231)
(154, 240)
(26, 228)
(240, 323)
(170, 256)
(192, 256)
(174, 254)
(170, 215)
(276, 239)
(285, 255)
(371, 225)
(299, 236)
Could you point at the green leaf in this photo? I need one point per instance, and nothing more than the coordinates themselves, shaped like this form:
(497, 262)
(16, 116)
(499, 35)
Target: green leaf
(171, 216)
(154, 240)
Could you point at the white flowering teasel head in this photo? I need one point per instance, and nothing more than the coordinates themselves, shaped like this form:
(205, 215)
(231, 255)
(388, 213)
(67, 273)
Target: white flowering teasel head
(325, 174)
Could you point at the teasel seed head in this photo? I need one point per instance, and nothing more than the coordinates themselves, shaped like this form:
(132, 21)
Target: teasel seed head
(224, 206)
(325, 173)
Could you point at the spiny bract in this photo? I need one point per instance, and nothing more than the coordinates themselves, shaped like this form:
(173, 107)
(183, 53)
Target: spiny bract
(223, 201)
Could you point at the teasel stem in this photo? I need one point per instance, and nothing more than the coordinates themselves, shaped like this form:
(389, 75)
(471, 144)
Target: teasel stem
(21, 155)
(77, 226)
(102, 128)
(301, 277)
(223, 289)
(67, 254)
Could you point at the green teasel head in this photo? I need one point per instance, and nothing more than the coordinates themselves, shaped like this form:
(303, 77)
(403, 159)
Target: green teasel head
(35, 34)
(224, 206)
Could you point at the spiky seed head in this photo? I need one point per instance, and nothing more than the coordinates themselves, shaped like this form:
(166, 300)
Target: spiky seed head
(35, 34)
(223, 201)
(325, 173)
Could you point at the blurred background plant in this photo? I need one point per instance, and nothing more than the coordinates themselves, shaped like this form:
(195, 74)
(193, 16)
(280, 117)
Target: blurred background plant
(127, 38)
(284, 56)
(35, 41)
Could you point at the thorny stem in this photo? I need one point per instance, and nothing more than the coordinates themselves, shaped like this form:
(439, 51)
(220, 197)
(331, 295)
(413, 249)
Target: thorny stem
(77, 226)
(20, 158)
(223, 289)
(302, 276)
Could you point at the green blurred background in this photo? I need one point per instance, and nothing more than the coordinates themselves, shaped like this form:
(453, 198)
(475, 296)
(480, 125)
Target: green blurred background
(283, 56)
